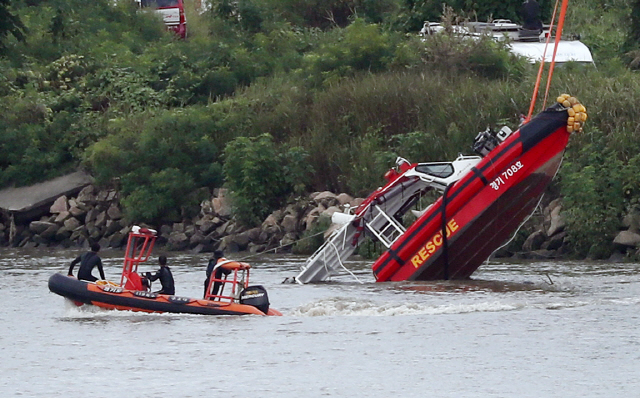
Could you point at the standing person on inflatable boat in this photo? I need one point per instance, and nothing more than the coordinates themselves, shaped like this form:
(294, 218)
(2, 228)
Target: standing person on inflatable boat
(218, 256)
(88, 262)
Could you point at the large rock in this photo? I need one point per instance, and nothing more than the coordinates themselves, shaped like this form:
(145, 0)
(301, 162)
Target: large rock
(241, 240)
(50, 232)
(228, 245)
(117, 240)
(165, 230)
(101, 219)
(178, 227)
(114, 212)
(290, 223)
(62, 234)
(256, 248)
(87, 195)
(356, 203)
(254, 234)
(288, 239)
(627, 238)
(112, 227)
(205, 247)
(91, 216)
(95, 233)
(177, 241)
(271, 224)
(542, 254)
(312, 217)
(38, 227)
(207, 226)
(72, 223)
(534, 241)
(102, 196)
(77, 211)
(206, 208)
(326, 198)
(224, 229)
(557, 222)
(555, 242)
(344, 199)
(59, 205)
(79, 235)
(222, 204)
(196, 239)
(329, 212)
(62, 216)
(632, 221)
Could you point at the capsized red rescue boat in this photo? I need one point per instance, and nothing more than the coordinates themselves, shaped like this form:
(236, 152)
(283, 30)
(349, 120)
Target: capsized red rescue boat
(235, 296)
(483, 200)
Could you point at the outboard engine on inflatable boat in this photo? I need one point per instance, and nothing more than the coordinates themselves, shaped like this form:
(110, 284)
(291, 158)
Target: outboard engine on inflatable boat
(487, 140)
(255, 296)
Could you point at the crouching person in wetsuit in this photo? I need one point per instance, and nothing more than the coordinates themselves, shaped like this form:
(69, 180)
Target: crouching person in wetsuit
(88, 262)
(165, 276)
(218, 256)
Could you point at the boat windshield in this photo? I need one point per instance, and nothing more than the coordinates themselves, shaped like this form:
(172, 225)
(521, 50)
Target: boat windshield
(440, 170)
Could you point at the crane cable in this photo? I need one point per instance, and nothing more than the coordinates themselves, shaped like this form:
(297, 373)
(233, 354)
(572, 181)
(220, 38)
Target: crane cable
(558, 35)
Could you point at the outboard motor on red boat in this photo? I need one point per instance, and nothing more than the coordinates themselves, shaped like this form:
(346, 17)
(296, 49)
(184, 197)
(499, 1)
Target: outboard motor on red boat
(487, 140)
(255, 296)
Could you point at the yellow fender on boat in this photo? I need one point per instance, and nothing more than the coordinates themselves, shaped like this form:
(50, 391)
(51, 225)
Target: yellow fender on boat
(576, 111)
(102, 282)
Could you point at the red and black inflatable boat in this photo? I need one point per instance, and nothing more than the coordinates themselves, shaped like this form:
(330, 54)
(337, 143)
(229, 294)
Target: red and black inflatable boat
(235, 295)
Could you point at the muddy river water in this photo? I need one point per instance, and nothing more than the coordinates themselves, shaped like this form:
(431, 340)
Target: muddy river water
(562, 329)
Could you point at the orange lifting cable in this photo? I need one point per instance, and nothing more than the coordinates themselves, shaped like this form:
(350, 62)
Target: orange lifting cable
(563, 12)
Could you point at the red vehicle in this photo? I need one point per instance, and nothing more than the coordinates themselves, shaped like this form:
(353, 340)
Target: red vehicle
(483, 200)
(172, 12)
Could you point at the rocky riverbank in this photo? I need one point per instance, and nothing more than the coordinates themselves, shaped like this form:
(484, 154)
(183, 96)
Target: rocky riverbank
(95, 216)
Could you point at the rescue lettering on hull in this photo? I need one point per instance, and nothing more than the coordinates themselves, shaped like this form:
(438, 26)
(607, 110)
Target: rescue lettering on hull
(433, 244)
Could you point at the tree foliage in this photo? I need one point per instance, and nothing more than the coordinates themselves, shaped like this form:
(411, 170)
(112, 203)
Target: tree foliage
(261, 175)
(277, 98)
(10, 23)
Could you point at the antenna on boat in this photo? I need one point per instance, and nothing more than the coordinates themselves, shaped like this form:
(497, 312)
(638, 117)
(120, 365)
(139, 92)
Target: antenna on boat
(558, 35)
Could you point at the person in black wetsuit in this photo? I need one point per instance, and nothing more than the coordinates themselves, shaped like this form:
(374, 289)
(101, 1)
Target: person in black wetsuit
(165, 276)
(88, 262)
(217, 256)
(531, 15)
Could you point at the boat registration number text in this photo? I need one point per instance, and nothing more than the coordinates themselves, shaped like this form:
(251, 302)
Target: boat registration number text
(505, 175)
(112, 289)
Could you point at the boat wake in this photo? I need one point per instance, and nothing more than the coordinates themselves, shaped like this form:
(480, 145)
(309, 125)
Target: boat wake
(72, 311)
(340, 306)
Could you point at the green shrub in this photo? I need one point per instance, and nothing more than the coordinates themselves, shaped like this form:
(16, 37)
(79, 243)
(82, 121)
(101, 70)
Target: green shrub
(592, 187)
(312, 238)
(360, 47)
(252, 173)
(370, 249)
(156, 196)
(261, 176)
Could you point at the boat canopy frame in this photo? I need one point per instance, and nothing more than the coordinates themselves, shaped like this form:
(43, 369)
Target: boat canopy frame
(139, 247)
